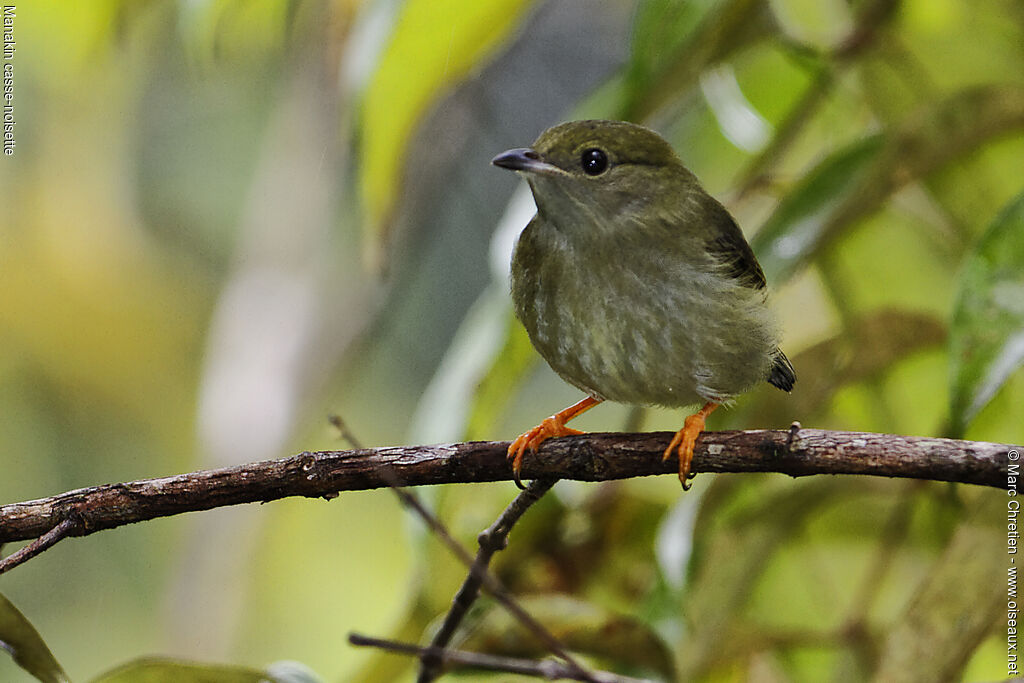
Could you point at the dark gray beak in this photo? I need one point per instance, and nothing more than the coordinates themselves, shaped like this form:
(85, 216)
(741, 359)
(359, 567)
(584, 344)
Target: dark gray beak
(523, 159)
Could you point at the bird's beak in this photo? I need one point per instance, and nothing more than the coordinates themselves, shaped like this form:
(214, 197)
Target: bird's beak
(526, 160)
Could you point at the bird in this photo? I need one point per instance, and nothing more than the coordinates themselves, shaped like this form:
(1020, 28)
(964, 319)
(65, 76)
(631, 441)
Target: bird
(636, 285)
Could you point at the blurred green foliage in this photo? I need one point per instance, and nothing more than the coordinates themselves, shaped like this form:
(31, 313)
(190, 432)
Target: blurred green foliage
(183, 261)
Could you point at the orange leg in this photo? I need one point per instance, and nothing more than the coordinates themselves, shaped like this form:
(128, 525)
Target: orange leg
(551, 427)
(684, 440)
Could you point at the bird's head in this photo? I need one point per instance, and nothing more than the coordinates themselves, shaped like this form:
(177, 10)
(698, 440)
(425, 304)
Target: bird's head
(599, 171)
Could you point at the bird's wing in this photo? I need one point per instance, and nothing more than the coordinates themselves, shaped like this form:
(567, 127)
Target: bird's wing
(730, 248)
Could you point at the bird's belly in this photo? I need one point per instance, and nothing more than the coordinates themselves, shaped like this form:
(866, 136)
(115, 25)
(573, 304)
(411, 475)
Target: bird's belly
(637, 340)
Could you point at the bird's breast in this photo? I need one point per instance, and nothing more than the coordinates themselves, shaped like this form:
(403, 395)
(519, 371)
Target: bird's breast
(638, 323)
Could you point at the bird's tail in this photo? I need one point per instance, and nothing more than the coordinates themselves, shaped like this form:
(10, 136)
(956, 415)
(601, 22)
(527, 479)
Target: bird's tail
(782, 373)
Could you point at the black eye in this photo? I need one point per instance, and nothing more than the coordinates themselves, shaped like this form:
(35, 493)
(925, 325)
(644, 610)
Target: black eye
(594, 161)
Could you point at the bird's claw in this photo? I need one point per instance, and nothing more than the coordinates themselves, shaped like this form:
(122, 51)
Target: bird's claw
(683, 443)
(550, 428)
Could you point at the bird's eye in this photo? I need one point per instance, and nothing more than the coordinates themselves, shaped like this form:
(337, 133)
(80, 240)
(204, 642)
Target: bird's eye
(594, 161)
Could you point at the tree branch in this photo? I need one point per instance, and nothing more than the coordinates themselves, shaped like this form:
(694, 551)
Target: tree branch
(590, 457)
(548, 669)
(491, 540)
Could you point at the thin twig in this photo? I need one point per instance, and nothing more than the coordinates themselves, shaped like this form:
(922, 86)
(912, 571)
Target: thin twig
(344, 432)
(548, 669)
(826, 72)
(66, 528)
(410, 501)
(494, 539)
(491, 540)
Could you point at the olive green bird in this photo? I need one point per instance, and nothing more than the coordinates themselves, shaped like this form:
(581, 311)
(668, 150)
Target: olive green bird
(635, 284)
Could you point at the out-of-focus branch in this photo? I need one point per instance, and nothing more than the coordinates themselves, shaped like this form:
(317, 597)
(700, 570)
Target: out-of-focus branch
(548, 669)
(492, 539)
(590, 457)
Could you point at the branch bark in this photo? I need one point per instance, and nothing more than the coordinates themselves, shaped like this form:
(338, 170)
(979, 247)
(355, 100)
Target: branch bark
(590, 457)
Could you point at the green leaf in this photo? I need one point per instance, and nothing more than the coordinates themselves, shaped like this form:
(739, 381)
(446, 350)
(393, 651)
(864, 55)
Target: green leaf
(871, 345)
(292, 672)
(798, 225)
(854, 182)
(435, 43)
(955, 605)
(227, 31)
(671, 48)
(742, 529)
(987, 335)
(159, 670)
(19, 638)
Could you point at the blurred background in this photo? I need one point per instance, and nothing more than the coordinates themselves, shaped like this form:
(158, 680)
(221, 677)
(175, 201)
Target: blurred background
(227, 219)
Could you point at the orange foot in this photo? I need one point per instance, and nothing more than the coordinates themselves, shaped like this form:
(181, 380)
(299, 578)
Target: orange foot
(685, 439)
(551, 427)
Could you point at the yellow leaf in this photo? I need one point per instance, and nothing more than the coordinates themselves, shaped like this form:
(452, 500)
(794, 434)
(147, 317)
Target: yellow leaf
(435, 44)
